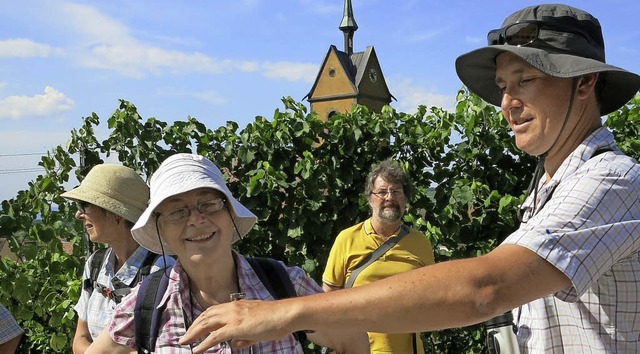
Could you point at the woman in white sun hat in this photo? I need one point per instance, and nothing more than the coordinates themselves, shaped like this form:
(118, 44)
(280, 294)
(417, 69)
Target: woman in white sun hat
(193, 215)
(110, 199)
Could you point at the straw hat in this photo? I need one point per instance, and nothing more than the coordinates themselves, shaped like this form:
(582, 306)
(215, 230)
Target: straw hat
(569, 44)
(182, 173)
(115, 188)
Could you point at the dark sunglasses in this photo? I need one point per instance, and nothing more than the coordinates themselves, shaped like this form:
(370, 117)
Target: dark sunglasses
(524, 33)
(82, 206)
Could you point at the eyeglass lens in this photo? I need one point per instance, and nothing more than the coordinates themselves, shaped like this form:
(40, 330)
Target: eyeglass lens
(181, 214)
(82, 206)
(383, 192)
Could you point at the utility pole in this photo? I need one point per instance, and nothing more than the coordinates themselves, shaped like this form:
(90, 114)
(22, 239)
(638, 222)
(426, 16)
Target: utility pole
(85, 236)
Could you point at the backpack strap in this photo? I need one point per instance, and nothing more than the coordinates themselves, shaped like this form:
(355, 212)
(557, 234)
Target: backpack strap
(97, 260)
(121, 289)
(145, 268)
(146, 314)
(276, 279)
(373, 256)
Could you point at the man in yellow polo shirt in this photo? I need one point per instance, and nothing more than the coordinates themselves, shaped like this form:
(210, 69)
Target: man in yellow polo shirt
(388, 189)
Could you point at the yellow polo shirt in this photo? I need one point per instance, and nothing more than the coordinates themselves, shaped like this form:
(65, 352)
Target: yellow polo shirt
(352, 245)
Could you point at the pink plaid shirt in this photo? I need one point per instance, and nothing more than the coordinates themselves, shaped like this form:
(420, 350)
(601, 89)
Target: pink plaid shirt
(177, 314)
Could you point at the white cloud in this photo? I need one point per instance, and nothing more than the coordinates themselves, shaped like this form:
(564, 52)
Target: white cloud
(425, 36)
(411, 96)
(139, 61)
(291, 71)
(209, 96)
(24, 48)
(93, 26)
(52, 102)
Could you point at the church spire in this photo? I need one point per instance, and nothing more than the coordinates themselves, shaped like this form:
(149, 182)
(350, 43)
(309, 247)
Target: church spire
(348, 25)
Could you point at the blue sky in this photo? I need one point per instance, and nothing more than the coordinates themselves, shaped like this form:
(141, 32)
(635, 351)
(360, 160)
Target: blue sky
(228, 60)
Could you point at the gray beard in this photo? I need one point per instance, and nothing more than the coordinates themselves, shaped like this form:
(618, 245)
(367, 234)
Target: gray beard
(390, 214)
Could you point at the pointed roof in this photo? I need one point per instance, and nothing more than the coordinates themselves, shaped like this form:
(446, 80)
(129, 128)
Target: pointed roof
(354, 66)
(348, 22)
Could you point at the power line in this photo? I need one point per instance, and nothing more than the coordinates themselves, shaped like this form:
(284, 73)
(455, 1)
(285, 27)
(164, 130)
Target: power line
(23, 154)
(21, 170)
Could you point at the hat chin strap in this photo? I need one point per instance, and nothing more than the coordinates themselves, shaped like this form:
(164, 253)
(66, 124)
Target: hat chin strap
(539, 171)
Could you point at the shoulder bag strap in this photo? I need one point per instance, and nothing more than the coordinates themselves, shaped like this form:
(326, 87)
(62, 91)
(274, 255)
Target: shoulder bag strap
(373, 256)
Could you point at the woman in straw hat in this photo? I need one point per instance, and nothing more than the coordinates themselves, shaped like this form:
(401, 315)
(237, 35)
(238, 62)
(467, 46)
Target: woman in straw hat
(110, 200)
(193, 215)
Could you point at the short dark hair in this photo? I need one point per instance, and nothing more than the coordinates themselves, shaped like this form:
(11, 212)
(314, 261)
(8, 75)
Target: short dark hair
(392, 172)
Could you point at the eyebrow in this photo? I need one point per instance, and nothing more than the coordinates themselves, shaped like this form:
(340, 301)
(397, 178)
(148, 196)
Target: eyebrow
(214, 194)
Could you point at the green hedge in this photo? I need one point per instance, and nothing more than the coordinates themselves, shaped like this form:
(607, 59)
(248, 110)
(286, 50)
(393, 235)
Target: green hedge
(304, 180)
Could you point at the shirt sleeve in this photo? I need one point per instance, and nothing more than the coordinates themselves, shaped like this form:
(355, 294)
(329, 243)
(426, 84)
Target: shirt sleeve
(303, 284)
(590, 223)
(83, 302)
(335, 271)
(9, 328)
(121, 326)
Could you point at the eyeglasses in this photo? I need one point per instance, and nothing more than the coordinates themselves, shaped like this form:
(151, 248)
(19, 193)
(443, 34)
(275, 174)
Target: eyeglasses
(83, 206)
(524, 32)
(383, 193)
(181, 214)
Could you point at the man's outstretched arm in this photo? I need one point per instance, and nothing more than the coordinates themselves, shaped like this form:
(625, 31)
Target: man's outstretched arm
(444, 295)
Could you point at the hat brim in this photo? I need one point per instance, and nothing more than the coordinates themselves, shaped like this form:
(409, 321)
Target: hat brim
(90, 195)
(477, 70)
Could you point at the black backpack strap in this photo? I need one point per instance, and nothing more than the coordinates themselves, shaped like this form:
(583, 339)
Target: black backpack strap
(97, 260)
(276, 279)
(121, 289)
(145, 268)
(146, 314)
(373, 256)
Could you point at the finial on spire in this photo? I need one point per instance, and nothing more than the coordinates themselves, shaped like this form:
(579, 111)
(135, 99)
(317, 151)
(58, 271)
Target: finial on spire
(348, 25)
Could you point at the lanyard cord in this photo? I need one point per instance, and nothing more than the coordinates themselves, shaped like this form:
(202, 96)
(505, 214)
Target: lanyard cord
(539, 171)
(537, 174)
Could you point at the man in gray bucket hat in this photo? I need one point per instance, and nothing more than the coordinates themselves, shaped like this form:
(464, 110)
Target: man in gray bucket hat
(571, 270)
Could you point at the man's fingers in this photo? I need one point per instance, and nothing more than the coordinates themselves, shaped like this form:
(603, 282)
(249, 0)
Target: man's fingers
(205, 323)
(207, 343)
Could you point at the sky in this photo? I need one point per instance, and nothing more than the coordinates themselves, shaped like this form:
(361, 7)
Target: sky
(220, 61)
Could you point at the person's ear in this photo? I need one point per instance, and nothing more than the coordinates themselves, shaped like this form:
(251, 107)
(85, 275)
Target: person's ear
(586, 84)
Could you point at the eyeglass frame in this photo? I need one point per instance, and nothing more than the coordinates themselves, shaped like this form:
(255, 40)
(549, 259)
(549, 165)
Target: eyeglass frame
(502, 38)
(393, 192)
(221, 200)
(82, 206)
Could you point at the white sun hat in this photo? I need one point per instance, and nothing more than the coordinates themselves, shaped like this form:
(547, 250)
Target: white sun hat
(178, 174)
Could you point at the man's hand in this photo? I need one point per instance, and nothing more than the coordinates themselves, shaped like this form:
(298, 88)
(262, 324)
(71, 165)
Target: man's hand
(242, 322)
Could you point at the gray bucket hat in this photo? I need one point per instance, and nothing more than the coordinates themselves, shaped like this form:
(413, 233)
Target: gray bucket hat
(569, 44)
(178, 174)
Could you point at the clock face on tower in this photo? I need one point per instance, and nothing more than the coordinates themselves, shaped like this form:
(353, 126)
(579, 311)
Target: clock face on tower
(373, 75)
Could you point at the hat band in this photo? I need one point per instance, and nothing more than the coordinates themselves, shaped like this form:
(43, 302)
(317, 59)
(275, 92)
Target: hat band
(525, 32)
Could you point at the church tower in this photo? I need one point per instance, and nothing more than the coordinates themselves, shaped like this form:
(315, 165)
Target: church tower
(347, 78)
